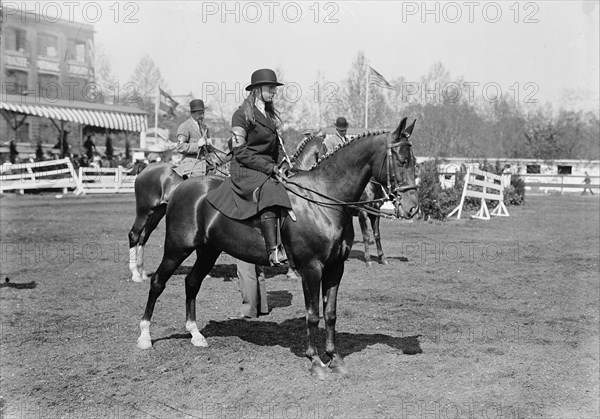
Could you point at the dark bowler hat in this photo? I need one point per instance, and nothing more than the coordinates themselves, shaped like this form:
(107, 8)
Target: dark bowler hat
(341, 123)
(262, 77)
(196, 105)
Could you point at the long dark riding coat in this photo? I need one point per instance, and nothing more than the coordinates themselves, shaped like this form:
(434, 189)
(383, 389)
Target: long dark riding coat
(251, 168)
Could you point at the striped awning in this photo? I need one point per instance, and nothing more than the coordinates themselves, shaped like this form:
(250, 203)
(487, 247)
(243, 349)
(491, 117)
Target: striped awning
(122, 118)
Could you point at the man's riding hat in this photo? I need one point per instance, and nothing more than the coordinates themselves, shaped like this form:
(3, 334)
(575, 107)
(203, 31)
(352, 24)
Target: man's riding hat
(341, 123)
(262, 77)
(196, 105)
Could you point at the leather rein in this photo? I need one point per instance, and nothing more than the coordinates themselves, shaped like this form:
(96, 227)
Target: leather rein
(362, 205)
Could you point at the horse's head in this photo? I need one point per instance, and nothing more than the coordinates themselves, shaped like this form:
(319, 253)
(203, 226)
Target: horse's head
(398, 171)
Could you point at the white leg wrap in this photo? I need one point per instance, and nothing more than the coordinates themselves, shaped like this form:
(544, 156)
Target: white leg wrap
(140, 263)
(135, 274)
(197, 338)
(144, 341)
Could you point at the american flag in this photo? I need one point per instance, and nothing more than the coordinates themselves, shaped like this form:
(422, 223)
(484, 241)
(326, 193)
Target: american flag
(166, 103)
(376, 78)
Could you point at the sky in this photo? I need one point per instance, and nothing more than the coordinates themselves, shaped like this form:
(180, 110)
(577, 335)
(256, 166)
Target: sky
(540, 49)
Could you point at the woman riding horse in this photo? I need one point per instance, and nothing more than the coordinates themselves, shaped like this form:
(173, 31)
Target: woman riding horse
(257, 152)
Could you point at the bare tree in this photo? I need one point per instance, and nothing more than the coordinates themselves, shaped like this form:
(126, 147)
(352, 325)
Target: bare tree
(103, 75)
(146, 78)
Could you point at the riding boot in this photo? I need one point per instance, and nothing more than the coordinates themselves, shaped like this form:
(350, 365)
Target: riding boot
(269, 225)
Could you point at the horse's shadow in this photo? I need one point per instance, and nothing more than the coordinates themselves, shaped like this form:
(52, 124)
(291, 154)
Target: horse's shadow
(278, 299)
(229, 271)
(360, 255)
(291, 334)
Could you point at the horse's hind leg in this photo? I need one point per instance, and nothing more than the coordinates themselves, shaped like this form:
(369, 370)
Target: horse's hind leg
(134, 247)
(377, 235)
(166, 268)
(138, 236)
(205, 260)
(362, 220)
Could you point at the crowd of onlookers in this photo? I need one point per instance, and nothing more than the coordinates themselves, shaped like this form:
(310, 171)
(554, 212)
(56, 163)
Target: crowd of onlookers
(90, 157)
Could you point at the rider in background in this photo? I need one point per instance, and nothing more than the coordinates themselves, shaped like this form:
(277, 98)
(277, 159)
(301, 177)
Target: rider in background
(192, 139)
(340, 138)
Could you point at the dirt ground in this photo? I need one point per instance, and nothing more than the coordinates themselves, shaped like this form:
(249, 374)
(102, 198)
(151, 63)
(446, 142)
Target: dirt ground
(471, 319)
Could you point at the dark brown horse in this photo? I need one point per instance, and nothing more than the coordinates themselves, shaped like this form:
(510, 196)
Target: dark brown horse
(318, 242)
(153, 187)
(307, 155)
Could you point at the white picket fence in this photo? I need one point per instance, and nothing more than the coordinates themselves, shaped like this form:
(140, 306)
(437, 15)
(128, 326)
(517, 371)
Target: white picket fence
(52, 174)
(105, 180)
(60, 174)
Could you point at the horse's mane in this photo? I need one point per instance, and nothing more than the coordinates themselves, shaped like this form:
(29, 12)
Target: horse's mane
(339, 147)
(301, 146)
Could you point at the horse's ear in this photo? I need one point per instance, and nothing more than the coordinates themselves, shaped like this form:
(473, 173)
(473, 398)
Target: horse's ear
(396, 134)
(408, 130)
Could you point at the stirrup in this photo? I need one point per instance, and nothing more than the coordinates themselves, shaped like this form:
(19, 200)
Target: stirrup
(277, 256)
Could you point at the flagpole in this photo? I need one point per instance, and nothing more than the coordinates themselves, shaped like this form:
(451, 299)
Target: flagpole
(156, 105)
(367, 100)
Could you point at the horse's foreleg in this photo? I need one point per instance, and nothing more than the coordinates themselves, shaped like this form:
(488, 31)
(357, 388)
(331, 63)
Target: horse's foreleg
(331, 282)
(377, 235)
(204, 263)
(157, 285)
(362, 220)
(311, 278)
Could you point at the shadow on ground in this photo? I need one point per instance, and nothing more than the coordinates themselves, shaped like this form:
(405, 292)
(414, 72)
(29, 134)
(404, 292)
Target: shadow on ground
(291, 334)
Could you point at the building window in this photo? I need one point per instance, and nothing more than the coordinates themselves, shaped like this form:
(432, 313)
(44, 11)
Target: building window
(565, 170)
(47, 45)
(534, 168)
(15, 82)
(48, 87)
(76, 51)
(16, 40)
(80, 52)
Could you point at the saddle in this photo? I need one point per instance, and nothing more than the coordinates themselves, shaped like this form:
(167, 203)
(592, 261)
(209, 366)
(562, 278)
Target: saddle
(191, 168)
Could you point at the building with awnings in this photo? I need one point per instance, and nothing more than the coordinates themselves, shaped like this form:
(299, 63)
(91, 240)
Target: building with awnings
(16, 110)
(48, 82)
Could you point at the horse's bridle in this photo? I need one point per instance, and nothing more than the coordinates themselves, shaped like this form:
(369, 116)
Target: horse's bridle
(395, 193)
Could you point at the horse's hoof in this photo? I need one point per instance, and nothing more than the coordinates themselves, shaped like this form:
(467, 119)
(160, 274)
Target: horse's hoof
(319, 371)
(200, 341)
(137, 278)
(384, 262)
(369, 264)
(338, 366)
(144, 343)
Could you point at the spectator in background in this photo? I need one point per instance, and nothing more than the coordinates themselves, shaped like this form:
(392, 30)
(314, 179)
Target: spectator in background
(587, 181)
(39, 152)
(109, 147)
(12, 150)
(90, 147)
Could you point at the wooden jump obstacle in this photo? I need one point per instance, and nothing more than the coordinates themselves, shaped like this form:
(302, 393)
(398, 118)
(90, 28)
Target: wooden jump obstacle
(489, 181)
